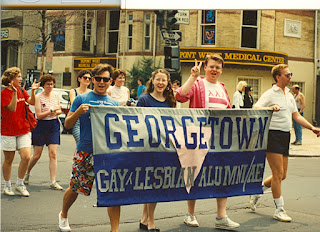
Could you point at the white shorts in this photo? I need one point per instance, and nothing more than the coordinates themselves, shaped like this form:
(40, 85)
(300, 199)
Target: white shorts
(13, 143)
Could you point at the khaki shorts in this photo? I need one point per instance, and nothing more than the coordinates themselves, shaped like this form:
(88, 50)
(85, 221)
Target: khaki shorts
(14, 143)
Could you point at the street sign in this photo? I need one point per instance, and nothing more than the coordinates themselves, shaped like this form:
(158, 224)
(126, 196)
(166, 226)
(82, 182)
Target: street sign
(183, 17)
(37, 48)
(171, 35)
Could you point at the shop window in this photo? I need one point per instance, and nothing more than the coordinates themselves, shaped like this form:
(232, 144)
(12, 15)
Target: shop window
(130, 31)
(208, 27)
(86, 38)
(147, 32)
(58, 34)
(255, 84)
(249, 30)
(113, 31)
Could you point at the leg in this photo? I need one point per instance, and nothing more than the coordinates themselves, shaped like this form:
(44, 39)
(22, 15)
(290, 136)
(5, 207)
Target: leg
(278, 164)
(221, 207)
(191, 206)
(37, 151)
(295, 127)
(114, 215)
(53, 161)
(7, 164)
(151, 209)
(144, 217)
(223, 221)
(190, 218)
(68, 199)
(25, 154)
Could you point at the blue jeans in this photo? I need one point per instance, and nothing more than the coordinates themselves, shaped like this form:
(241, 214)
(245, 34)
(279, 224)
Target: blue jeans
(297, 129)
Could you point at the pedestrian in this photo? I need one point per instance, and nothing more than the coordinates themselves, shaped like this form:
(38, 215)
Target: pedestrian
(15, 129)
(299, 98)
(175, 85)
(47, 108)
(248, 99)
(118, 91)
(141, 87)
(159, 93)
(82, 176)
(84, 80)
(238, 95)
(207, 92)
(281, 101)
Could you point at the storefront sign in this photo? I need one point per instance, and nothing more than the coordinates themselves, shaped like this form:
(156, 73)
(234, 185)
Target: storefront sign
(9, 33)
(89, 63)
(235, 56)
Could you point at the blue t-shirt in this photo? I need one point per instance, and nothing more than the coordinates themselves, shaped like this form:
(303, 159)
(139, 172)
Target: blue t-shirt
(141, 89)
(85, 143)
(148, 101)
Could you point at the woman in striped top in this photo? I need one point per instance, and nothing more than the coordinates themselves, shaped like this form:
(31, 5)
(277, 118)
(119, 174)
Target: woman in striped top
(47, 109)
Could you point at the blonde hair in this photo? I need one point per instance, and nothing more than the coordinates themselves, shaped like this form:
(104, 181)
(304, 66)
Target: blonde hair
(9, 75)
(276, 70)
(215, 57)
(241, 84)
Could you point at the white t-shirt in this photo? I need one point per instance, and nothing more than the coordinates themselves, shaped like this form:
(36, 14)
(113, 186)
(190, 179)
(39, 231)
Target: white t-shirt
(237, 100)
(281, 120)
(120, 94)
(215, 95)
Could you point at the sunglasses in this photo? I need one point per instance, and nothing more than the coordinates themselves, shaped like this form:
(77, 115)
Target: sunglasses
(87, 78)
(288, 75)
(105, 79)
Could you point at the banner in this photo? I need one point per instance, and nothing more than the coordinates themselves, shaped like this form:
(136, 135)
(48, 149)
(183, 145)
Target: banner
(144, 155)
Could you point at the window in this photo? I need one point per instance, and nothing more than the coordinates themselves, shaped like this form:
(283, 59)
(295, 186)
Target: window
(255, 84)
(208, 27)
(58, 34)
(113, 31)
(147, 31)
(86, 34)
(249, 31)
(130, 29)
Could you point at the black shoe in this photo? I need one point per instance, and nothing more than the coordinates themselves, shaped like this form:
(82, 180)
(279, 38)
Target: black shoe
(294, 143)
(143, 226)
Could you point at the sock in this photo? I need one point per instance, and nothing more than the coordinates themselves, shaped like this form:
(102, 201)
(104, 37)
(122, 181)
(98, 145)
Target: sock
(7, 183)
(279, 202)
(264, 188)
(19, 182)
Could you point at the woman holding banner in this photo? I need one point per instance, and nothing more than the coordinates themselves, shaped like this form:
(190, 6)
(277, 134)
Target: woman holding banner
(159, 93)
(282, 102)
(197, 89)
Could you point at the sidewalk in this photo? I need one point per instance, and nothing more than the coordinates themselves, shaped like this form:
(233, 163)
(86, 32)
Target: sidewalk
(310, 145)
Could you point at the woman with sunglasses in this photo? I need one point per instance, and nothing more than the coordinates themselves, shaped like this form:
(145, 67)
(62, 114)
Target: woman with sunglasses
(118, 91)
(159, 93)
(84, 80)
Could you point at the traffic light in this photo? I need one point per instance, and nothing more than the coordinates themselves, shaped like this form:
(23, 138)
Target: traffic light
(160, 17)
(170, 18)
(172, 57)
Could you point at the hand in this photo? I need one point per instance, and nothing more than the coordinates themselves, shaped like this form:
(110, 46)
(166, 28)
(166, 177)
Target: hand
(58, 107)
(14, 89)
(275, 108)
(316, 131)
(35, 85)
(83, 108)
(195, 71)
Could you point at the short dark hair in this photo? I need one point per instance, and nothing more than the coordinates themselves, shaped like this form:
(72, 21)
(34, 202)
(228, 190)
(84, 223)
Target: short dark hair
(46, 78)
(177, 82)
(117, 73)
(141, 80)
(100, 68)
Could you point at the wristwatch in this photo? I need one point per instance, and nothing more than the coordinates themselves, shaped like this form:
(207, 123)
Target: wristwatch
(50, 110)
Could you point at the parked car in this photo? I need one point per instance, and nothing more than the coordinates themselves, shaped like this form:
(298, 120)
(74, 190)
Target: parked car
(64, 102)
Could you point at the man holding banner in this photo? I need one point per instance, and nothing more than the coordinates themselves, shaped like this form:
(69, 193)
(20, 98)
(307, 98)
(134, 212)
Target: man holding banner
(207, 92)
(82, 169)
(282, 102)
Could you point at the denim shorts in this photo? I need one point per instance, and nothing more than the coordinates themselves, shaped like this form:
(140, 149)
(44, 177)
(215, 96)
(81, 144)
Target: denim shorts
(278, 142)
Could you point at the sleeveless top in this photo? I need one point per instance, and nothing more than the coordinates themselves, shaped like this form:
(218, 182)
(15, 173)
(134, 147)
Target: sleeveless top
(297, 102)
(47, 104)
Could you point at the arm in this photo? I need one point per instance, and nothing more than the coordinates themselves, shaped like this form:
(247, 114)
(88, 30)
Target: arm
(195, 73)
(303, 104)
(57, 109)
(303, 122)
(72, 96)
(34, 86)
(72, 117)
(128, 94)
(236, 102)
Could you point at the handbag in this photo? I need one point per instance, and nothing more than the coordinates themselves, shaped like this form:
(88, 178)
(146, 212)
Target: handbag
(30, 116)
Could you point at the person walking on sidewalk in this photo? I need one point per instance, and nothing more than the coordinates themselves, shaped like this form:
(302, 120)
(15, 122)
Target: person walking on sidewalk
(47, 108)
(82, 176)
(207, 92)
(300, 101)
(283, 104)
(15, 129)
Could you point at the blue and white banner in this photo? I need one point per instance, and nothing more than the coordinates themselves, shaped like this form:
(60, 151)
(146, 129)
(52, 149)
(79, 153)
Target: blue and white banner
(146, 155)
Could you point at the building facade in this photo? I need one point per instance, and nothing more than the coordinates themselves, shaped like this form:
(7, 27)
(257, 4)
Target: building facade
(251, 42)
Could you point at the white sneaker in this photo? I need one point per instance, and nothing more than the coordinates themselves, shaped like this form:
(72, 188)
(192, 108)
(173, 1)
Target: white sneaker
(8, 191)
(281, 215)
(22, 190)
(54, 185)
(253, 201)
(226, 224)
(26, 178)
(191, 220)
(63, 224)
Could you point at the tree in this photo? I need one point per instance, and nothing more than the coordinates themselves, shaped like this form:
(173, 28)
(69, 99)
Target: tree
(144, 69)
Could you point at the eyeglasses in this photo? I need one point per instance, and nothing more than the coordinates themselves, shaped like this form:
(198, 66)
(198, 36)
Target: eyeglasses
(105, 79)
(87, 78)
(288, 75)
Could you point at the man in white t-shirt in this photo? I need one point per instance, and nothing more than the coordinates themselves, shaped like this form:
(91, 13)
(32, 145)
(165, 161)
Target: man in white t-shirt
(207, 92)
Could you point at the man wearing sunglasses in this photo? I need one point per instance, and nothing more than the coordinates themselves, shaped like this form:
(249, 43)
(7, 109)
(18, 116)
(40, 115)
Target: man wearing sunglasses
(281, 101)
(82, 169)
